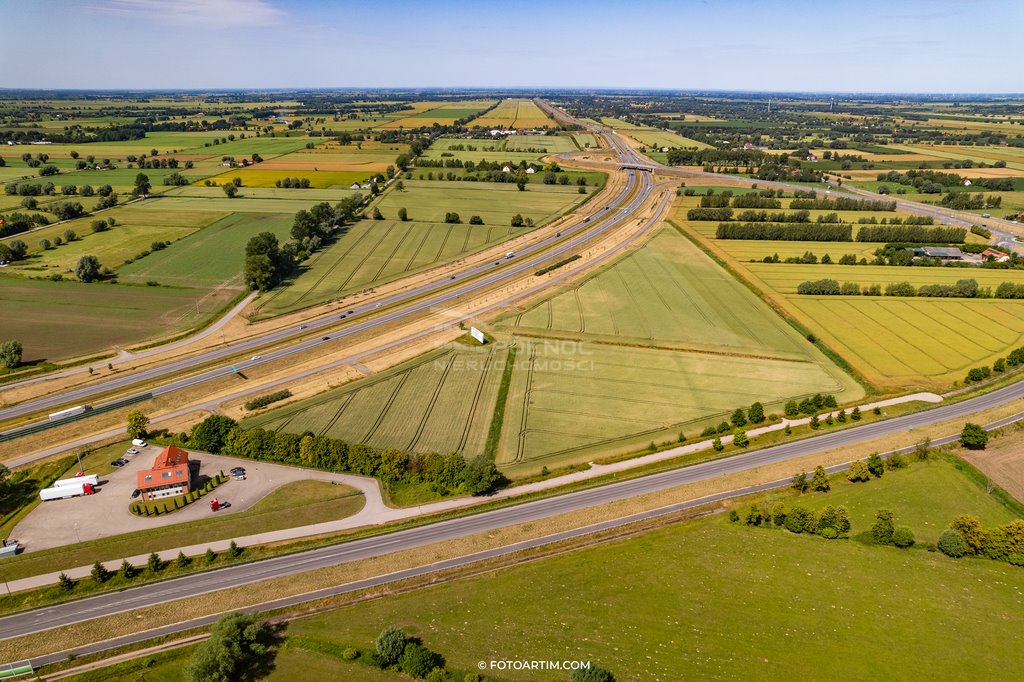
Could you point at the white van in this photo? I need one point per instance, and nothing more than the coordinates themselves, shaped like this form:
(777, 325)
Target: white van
(138, 442)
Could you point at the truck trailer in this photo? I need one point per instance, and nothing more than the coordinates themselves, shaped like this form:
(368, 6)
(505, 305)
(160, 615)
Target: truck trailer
(70, 412)
(66, 491)
(91, 479)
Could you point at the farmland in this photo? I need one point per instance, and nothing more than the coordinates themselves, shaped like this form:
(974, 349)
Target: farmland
(895, 343)
(735, 598)
(444, 114)
(662, 341)
(440, 402)
(375, 251)
(514, 113)
(68, 319)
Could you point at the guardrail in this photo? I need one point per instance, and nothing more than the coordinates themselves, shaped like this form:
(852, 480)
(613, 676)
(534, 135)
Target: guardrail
(98, 409)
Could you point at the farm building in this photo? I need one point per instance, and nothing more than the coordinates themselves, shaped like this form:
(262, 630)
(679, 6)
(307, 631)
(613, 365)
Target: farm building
(170, 475)
(997, 256)
(940, 252)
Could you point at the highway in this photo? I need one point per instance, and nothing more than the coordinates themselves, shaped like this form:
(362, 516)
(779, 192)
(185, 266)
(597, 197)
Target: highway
(188, 587)
(400, 306)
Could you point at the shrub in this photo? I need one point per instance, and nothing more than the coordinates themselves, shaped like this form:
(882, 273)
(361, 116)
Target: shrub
(952, 543)
(876, 465)
(717, 445)
(734, 515)
(417, 660)
(819, 481)
(349, 654)
(592, 673)
(778, 513)
(799, 520)
(973, 437)
(127, 570)
(66, 583)
(858, 472)
(883, 530)
(234, 550)
(895, 461)
(829, 533)
(970, 529)
(903, 537)
(390, 644)
(211, 556)
(100, 573)
(753, 517)
(741, 439)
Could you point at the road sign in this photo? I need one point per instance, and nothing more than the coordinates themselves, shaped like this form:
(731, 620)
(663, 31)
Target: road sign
(477, 334)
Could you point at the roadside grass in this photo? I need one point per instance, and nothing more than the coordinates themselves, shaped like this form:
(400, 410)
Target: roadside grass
(295, 504)
(733, 598)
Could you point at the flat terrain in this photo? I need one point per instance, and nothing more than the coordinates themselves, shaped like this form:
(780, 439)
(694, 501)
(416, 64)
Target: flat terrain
(733, 599)
(441, 402)
(896, 343)
(514, 113)
(1003, 462)
(56, 320)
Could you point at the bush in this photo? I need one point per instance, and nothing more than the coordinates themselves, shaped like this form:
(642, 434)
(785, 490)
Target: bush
(734, 516)
(876, 465)
(417, 660)
(952, 543)
(858, 472)
(799, 520)
(819, 481)
(592, 673)
(883, 530)
(390, 644)
(903, 537)
(350, 654)
(100, 573)
(973, 437)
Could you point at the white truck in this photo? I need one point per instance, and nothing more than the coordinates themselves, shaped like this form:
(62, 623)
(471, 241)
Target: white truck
(70, 412)
(91, 479)
(65, 491)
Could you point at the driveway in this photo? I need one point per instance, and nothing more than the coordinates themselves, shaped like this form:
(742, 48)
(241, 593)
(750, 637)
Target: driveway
(105, 513)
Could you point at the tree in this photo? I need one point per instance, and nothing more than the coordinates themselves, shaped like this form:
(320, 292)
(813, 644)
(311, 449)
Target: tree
(876, 465)
(952, 543)
(66, 583)
(10, 353)
(211, 434)
(137, 423)
(970, 530)
(973, 436)
(815, 422)
(87, 269)
(239, 644)
(855, 414)
(819, 481)
(142, 185)
(377, 215)
(231, 190)
(517, 220)
(403, 215)
(417, 660)
(17, 249)
(800, 482)
(155, 564)
(234, 550)
(903, 537)
(476, 220)
(799, 520)
(717, 445)
(481, 476)
(741, 439)
(859, 472)
(181, 561)
(754, 516)
(884, 527)
(591, 673)
(739, 418)
(755, 415)
(127, 571)
(390, 644)
(923, 449)
(259, 272)
(100, 573)
(792, 409)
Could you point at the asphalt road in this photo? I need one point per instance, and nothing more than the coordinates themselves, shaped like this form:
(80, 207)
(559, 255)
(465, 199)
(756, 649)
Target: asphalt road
(445, 290)
(191, 586)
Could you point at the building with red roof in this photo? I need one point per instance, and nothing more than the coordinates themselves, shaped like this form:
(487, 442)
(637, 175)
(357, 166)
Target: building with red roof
(169, 476)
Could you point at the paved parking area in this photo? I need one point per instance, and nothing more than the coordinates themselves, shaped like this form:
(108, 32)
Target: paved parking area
(105, 513)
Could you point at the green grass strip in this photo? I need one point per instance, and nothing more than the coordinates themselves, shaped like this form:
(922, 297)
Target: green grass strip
(494, 433)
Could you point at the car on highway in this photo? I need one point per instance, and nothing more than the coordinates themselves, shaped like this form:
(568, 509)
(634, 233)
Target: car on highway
(587, 219)
(119, 462)
(510, 254)
(256, 357)
(986, 215)
(303, 326)
(326, 338)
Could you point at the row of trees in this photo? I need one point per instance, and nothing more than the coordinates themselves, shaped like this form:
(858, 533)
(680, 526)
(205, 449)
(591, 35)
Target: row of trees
(842, 204)
(911, 233)
(446, 474)
(786, 232)
(932, 182)
(965, 200)
(963, 288)
(830, 523)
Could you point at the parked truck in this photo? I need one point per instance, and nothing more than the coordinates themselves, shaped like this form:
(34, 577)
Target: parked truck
(65, 491)
(91, 479)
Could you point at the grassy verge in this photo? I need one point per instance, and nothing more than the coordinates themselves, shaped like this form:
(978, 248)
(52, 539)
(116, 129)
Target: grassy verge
(498, 418)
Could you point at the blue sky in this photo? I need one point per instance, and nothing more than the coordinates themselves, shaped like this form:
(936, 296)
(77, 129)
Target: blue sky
(865, 46)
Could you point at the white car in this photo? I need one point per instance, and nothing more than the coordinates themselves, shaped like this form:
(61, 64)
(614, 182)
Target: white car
(138, 442)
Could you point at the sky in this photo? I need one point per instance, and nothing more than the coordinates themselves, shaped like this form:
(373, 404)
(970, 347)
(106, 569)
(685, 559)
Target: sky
(906, 46)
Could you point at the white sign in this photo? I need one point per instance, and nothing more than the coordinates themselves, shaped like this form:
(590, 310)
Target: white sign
(477, 334)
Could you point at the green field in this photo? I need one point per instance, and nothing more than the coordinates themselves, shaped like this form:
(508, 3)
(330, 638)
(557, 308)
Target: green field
(495, 202)
(260, 177)
(440, 402)
(707, 599)
(514, 113)
(188, 263)
(56, 320)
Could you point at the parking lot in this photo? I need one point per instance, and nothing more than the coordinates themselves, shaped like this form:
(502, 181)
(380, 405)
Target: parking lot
(105, 513)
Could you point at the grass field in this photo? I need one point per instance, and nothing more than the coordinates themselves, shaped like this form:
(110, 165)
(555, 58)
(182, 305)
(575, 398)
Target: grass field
(495, 202)
(188, 263)
(707, 599)
(440, 402)
(514, 113)
(442, 113)
(325, 179)
(55, 320)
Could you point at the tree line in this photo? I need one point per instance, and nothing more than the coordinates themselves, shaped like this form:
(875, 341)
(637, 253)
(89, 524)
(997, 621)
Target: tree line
(446, 474)
(963, 288)
(842, 204)
(932, 182)
(911, 233)
(786, 232)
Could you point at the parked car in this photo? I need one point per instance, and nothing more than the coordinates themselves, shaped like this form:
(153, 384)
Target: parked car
(138, 442)
(237, 470)
(119, 462)
(240, 477)
(131, 451)
(136, 493)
